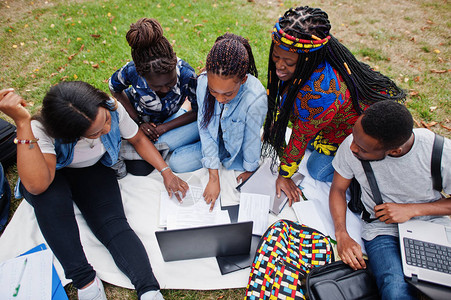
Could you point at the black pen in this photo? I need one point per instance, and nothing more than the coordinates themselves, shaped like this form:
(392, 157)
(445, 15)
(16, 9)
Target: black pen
(20, 278)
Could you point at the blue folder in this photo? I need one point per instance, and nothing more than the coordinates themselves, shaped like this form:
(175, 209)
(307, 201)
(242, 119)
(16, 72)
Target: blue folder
(58, 292)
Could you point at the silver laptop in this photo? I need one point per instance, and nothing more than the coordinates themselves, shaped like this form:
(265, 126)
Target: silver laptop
(426, 251)
(263, 182)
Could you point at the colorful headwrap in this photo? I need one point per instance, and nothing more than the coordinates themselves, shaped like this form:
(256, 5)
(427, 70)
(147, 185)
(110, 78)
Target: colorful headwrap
(292, 44)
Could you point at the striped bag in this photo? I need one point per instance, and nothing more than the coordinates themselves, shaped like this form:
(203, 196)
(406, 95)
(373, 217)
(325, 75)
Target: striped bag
(286, 253)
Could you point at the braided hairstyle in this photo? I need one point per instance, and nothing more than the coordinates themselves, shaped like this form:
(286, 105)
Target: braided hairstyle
(365, 85)
(230, 56)
(151, 51)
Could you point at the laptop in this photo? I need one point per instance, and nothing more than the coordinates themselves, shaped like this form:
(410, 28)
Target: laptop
(206, 241)
(426, 251)
(263, 181)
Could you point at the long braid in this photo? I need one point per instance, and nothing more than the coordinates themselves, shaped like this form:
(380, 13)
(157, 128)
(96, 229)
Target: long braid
(230, 56)
(151, 51)
(365, 85)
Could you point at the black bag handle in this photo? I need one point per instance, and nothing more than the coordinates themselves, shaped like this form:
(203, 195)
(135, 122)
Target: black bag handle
(374, 189)
(436, 161)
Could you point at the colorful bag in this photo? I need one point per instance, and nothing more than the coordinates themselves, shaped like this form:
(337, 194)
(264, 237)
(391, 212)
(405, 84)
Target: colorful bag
(286, 253)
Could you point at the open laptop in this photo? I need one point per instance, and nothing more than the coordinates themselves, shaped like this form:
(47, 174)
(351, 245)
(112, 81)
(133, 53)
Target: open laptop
(263, 181)
(206, 241)
(426, 251)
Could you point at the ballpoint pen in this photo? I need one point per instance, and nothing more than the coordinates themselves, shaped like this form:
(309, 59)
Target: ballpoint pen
(20, 278)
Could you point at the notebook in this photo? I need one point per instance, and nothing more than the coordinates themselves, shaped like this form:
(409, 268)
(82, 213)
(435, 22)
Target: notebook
(426, 251)
(263, 181)
(206, 241)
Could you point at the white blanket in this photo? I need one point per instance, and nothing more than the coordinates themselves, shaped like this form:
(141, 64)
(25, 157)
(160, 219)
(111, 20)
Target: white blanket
(141, 202)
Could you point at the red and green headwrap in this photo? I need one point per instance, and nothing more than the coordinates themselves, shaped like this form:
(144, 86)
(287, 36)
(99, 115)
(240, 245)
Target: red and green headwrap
(292, 44)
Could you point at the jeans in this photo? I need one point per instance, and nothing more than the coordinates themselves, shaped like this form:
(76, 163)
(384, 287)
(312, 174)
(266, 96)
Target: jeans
(95, 191)
(320, 166)
(180, 136)
(385, 263)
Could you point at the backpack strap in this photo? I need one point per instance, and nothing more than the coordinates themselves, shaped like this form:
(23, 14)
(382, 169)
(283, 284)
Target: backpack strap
(436, 160)
(374, 189)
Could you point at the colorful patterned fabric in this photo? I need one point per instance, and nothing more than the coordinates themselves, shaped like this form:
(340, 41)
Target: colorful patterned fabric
(146, 102)
(286, 253)
(293, 44)
(322, 111)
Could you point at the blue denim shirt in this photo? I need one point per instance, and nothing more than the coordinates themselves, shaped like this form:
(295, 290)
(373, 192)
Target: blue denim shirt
(65, 152)
(241, 121)
(145, 101)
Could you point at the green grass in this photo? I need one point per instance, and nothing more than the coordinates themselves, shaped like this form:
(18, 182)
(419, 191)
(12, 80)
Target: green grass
(399, 39)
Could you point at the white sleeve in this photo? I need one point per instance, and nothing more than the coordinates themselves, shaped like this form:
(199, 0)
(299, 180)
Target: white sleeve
(45, 142)
(127, 126)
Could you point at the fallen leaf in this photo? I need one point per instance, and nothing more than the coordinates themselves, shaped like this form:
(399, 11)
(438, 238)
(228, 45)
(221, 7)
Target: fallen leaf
(425, 125)
(95, 35)
(438, 71)
(433, 123)
(417, 123)
(75, 76)
(64, 78)
(446, 127)
(68, 41)
(432, 108)
(436, 51)
(95, 66)
(429, 22)
(416, 79)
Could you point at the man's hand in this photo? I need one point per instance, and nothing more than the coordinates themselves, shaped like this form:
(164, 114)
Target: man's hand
(350, 251)
(174, 185)
(243, 176)
(394, 212)
(288, 186)
(150, 130)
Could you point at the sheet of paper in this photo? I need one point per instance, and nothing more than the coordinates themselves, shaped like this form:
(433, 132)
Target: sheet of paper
(192, 212)
(316, 214)
(254, 207)
(27, 277)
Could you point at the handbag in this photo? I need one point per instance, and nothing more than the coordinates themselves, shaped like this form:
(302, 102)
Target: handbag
(338, 281)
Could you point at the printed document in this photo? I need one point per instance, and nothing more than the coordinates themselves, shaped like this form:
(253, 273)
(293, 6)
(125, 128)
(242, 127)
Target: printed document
(27, 277)
(254, 207)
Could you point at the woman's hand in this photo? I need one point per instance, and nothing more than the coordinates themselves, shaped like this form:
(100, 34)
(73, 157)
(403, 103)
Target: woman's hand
(174, 185)
(244, 176)
(14, 106)
(288, 186)
(212, 189)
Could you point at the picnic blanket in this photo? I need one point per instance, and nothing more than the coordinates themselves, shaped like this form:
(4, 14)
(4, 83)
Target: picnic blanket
(141, 196)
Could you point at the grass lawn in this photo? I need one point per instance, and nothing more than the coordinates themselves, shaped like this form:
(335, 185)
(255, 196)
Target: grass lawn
(45, 42)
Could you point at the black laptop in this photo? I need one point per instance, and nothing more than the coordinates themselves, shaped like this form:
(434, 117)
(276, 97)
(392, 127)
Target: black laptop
(207, 241)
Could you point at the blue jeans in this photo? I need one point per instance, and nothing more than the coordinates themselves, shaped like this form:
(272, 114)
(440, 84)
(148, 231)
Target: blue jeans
(385, 263)
(96, 192)
(320, 166)
(180, 136)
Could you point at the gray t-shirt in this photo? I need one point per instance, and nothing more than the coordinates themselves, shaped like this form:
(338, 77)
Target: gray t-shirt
(405, 179)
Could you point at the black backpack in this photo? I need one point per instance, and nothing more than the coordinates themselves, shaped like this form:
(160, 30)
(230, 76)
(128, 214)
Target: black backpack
(5, 198)
(7, 147)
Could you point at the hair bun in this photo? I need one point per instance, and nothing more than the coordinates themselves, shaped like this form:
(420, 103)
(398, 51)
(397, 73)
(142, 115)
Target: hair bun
(144, 33)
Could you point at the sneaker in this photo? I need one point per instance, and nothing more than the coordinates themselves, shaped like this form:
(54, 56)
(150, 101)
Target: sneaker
(152, 295)
(94, 291)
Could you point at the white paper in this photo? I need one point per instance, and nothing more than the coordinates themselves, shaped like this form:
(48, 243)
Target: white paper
(254, 207)
(30, 276)
(316, 214)
(192, 212)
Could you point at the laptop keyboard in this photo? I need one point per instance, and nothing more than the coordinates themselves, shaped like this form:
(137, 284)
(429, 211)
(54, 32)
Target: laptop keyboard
(427, 255)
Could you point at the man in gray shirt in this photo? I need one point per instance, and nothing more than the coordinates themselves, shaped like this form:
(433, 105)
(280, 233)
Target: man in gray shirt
(401, 161)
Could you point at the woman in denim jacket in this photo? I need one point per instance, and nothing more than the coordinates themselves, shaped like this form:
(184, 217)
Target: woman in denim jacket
(232, 107)
(63, 156)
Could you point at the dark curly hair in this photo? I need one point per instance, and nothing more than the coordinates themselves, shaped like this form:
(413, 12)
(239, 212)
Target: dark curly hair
(388, 122)
(151, 51)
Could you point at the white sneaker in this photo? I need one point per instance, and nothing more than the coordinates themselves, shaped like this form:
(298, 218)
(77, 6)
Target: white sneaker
(94, 291)
(152, 295)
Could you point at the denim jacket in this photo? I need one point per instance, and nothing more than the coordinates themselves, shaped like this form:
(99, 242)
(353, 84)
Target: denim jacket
(65, 152)
(241, 121)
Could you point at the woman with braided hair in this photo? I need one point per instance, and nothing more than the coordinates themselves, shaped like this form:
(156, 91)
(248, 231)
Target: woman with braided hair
(232, 106)
(316, 83)
(152, 88)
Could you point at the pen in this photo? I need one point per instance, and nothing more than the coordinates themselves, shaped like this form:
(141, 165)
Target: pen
(20, 278)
